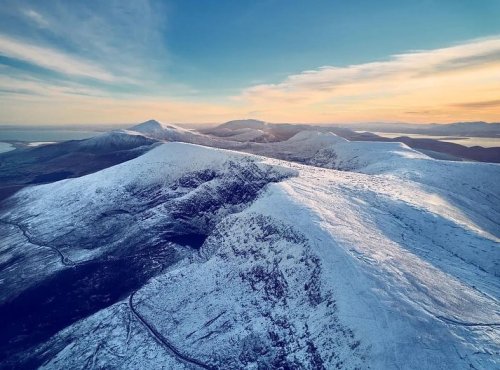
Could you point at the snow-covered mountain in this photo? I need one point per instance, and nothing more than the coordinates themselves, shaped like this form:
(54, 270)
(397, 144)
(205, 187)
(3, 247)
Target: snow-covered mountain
(162, 131)
(244, 123)
(115, 140)
(316, 253)
(301, 143)
(474, 129)
(258, 131)
(48, 163)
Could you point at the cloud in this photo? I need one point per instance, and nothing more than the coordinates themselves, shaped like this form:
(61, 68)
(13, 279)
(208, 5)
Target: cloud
(125, 36)
(63, 108)
(26, 86)
(112, 65)
(52, 59)
(479, 104)
(36, 17)
(117, 42)
(430, 81)
(403, 67)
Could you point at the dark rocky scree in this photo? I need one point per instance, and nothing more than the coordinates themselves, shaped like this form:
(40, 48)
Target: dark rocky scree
(286, 345)
(328, 158)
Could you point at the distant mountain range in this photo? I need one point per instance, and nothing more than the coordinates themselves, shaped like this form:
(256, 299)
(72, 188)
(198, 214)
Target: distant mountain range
(475, 129)
(259, 131)
(46, 163)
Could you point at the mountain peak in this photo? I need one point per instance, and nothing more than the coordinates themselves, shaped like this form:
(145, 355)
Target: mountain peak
(148, 126)
(244, 123)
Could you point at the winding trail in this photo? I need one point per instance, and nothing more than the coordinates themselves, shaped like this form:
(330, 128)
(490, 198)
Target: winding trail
(64, 260)
(162, 340)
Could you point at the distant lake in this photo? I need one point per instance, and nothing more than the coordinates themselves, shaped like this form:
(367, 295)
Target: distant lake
(44, 134)
(485, 142)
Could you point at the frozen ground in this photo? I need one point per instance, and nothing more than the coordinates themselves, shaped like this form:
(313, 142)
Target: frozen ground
(331, 254)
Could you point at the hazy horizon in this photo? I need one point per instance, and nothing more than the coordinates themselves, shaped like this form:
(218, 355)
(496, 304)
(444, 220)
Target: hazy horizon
(103, 126)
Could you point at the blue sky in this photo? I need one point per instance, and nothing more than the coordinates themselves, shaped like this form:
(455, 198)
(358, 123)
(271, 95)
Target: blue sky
(226, 43)
(205, 60)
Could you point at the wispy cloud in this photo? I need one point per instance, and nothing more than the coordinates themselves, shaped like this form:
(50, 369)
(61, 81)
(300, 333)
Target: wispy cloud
(53, 59)
(36, 17)
(94, 61)
(18, 85)
(117, 42)
(418, 81)
(479, 104)
(65, 108)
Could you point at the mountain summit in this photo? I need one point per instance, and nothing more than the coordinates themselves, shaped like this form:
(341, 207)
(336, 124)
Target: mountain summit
(244, 123)
(148, 126)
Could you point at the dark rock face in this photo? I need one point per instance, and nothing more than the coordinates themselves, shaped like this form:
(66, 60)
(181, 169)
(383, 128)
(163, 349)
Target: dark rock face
(214, 195)
(276, 270)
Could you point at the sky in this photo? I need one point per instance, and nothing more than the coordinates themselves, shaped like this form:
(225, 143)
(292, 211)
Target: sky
(119, 61)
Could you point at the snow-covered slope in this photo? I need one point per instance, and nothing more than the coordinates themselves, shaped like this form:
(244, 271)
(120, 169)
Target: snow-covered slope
(247, 134)
(393, 264)
(115, 140)
(325, 149)
(244, 123)
(172, 189)
(162, 131)
(470, 187)
(244, 131)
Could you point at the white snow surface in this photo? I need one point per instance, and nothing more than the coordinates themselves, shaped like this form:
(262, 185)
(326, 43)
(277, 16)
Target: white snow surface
(6, 147)
(40, 143)
(162, 131)
(369, 255)
(246, 134)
